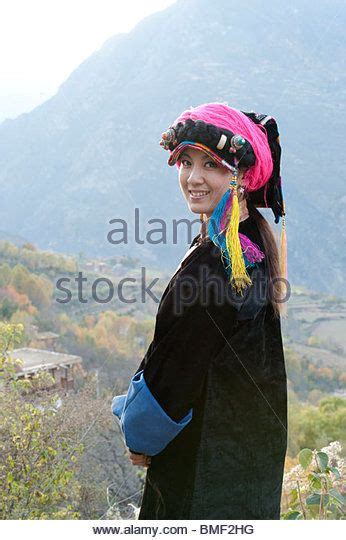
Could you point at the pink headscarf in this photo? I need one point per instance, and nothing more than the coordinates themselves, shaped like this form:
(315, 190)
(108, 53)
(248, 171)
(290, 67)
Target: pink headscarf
(223, 116)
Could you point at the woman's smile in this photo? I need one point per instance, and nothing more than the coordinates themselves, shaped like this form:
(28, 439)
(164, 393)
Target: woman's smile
(198, 195)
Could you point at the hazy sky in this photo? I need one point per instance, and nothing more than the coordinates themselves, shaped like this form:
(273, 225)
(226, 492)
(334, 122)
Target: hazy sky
(43, 41)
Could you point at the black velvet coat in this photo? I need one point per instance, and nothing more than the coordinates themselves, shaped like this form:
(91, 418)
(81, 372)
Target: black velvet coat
(225, 360)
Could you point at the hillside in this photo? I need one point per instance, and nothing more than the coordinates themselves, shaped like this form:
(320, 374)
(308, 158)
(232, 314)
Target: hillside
(113, 336)
(90, 154)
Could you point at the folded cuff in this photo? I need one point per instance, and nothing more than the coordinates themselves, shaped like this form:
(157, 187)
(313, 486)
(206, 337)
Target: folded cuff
(146, 426)
(118, 403)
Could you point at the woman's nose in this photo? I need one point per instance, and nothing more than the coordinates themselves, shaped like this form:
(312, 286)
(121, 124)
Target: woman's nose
(196, 176)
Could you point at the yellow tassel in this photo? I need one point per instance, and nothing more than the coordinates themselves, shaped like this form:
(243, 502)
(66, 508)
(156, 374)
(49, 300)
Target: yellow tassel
(283, 250)
(283, 261)
(239, 279)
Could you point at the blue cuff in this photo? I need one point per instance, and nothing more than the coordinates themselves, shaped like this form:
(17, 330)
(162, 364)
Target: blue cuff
(146, 426)
(118, 403)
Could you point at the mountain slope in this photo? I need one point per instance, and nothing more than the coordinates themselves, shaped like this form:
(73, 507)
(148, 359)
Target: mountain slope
(91, 154)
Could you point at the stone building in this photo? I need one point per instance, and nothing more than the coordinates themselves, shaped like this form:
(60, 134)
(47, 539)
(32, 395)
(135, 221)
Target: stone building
(63, 367)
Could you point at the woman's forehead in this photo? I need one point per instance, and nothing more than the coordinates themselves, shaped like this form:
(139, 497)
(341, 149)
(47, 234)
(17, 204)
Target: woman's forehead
(195, 153)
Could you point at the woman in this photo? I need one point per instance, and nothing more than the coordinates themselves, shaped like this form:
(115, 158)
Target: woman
(206, 410)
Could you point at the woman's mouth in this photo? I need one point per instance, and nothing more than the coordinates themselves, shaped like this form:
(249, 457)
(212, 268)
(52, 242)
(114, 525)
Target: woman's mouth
(198, 195)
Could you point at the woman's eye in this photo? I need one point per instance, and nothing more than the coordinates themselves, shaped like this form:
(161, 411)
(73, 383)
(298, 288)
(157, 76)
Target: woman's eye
(187, 162)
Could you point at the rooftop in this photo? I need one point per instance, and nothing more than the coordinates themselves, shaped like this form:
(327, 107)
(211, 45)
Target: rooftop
(46, 335)
(34, 359)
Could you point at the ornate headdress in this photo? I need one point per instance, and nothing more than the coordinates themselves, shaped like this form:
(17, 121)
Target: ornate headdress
(234, 150)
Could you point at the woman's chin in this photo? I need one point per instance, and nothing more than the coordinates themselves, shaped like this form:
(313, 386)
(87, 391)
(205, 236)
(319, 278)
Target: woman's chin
(198, 208)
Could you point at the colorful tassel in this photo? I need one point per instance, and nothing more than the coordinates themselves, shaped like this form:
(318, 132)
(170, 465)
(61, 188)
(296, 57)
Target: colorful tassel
(250, 250)
(283, 250)
(227, 210)
(240, 279)
(237, 250)
(283, 247)
(283, 258)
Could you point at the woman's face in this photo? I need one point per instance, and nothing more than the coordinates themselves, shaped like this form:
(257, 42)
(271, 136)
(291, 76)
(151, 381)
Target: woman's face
(202, 180)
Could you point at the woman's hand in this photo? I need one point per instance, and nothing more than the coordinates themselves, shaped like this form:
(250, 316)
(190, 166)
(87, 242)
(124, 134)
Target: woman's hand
(139, 459)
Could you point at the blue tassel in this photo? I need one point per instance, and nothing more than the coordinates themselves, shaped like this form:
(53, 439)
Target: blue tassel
(214, 224)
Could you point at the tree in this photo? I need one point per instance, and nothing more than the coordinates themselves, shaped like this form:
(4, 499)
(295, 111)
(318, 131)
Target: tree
(38, 454)
(61, 457)
(313, 426)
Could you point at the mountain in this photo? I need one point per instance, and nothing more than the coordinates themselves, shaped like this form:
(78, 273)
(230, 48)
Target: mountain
(91, 153)
(13, 238)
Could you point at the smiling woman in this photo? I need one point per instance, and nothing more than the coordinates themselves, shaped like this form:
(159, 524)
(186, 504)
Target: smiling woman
(203, 182)
(206, 410)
